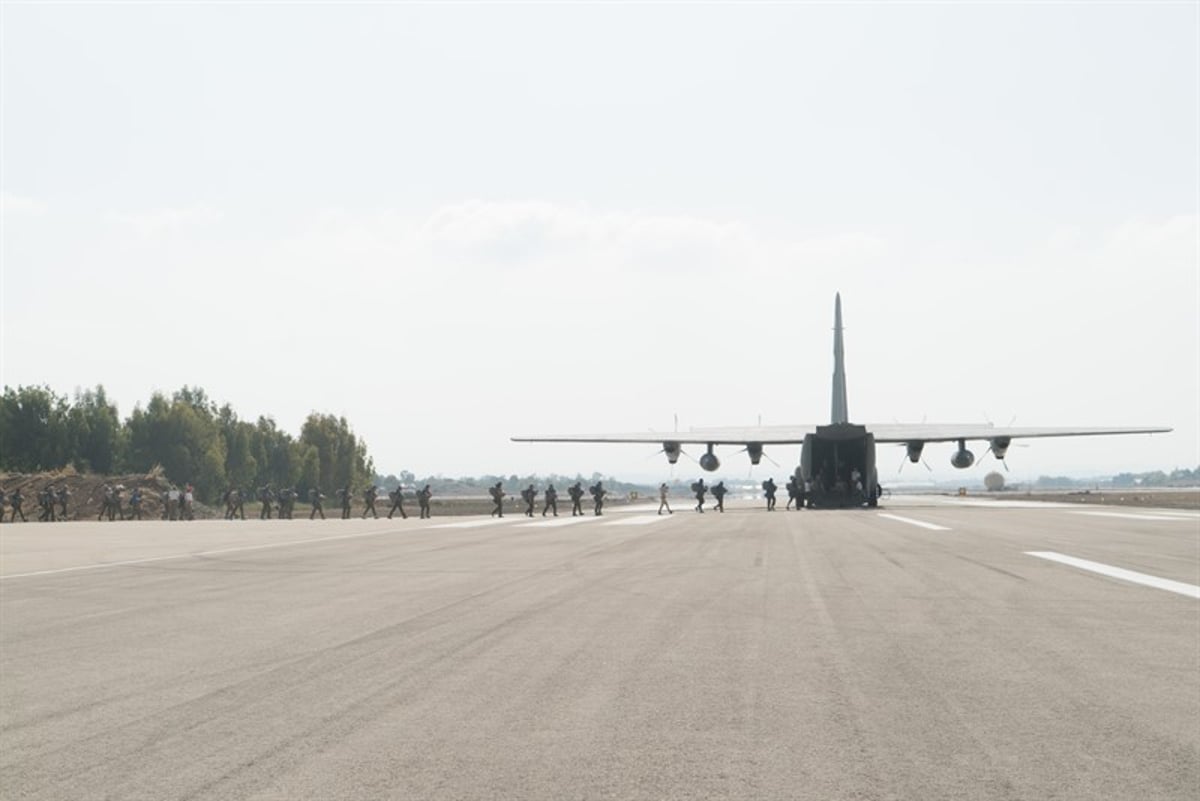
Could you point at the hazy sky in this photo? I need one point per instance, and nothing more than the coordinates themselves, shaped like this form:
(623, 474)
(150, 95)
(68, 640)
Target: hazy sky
(452, 224)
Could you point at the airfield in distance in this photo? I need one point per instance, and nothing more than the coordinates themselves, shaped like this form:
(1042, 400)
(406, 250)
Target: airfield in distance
(927, 649)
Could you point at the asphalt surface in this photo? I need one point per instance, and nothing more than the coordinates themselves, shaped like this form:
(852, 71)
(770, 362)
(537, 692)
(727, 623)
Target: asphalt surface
(823, 655)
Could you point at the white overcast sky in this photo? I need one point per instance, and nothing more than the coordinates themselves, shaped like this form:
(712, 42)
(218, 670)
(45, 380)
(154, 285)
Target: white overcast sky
(456, 223)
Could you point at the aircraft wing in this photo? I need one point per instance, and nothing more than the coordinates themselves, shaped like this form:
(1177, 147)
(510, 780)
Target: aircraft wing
(884, 432)
(766, 435)
(949, 432)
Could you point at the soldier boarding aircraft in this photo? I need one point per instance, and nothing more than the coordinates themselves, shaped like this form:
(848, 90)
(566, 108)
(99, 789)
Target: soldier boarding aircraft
(837, 461)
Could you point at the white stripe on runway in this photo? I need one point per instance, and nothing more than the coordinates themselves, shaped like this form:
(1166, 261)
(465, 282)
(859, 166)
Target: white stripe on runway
(195, 554)
(1190, 590)
(640, 520)
(558, 521)
(472, 523)
(911, 522)
(1133, 516)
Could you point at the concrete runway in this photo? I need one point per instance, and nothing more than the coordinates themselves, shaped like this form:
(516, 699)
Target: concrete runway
(824, 655)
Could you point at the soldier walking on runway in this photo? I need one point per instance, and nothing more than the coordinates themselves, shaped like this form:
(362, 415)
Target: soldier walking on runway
(529, 495)
(314, 497)
(135, 504)
(769, 489)
(497, 493)
(397, 496)
(16, 502)
(551, 501)
(369, 496)
(718, 492)
(598, 493)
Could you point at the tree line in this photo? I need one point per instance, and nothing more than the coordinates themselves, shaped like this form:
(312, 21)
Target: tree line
(192, 438)
(1179, 477)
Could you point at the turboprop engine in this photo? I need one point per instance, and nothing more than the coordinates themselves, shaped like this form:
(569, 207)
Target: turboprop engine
(914, 451)
(755, 451)
(672, 450)
(962, 458)
(999, 447)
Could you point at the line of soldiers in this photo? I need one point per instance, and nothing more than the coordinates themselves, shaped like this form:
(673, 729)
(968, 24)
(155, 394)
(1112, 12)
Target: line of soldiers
(48, 498)
(529, 495)
(795, 489)
(179, 504)
(53, 503)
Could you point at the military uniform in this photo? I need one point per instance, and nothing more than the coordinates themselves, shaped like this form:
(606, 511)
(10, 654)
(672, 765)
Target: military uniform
(598, 493)
(397, 497)
(369, 496)
(115, 506)
(576, 493)
(105, 502)
(718, 492)
(423, 497)
(529, 494)
(347, 498)
(497, 493)
(17, 501)
(769, 489)
(135, 504)
(699, 489)
(314, 497)
(64, 495)
(551, 501)
(663, 491)
(46, 500)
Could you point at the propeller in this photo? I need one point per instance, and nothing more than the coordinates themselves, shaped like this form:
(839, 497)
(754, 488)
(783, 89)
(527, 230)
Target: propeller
(904, 459)
(1003, 461)
(662, 451)
(762, 454)
(985, 455)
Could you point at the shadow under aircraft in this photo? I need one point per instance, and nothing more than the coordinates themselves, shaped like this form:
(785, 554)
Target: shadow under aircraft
(837, 461)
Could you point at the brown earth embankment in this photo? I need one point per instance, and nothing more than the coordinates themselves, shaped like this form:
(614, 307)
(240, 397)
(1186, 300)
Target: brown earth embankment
(87, 493)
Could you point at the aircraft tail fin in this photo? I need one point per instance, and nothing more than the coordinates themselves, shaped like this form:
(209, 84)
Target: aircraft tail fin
(839, 414)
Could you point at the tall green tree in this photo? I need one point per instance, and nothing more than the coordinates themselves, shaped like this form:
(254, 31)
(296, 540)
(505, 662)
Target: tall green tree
(342, 455)
(95, 432)
(34, 430)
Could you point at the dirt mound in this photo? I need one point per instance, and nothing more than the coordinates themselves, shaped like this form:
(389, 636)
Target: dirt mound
(87, 493)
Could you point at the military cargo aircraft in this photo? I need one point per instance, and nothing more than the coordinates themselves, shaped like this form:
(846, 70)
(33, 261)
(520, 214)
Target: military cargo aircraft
(837, 461)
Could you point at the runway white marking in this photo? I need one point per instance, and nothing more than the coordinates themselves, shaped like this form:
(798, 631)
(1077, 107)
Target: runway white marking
(1134, 516)
(557, 522)
(640, 520)
(911, 522)
(194, 554)
(1190, 590)
(900, 499)
(473, 523)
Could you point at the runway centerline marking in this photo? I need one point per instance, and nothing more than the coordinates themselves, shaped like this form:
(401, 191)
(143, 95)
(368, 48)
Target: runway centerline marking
(1164, 516)
(911, 522)
(472, 523)
(556, 522)
(195, 554)
(640, 520)
(1190, 590)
